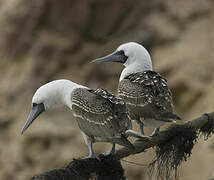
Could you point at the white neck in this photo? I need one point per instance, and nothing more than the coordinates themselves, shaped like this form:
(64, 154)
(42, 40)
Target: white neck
(67, 89)
(56, 92)
(134, 68)
(139, 59)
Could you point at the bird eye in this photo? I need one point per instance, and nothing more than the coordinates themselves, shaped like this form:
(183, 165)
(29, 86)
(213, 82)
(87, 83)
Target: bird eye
(121, 52)
(34, 104)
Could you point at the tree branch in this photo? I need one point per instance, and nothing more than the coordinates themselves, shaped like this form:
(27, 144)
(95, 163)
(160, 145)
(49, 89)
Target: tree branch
(101, 168)
(174, 145)
(141, 146)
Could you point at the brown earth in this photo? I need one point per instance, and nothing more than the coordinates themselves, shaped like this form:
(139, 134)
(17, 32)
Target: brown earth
(44, 40)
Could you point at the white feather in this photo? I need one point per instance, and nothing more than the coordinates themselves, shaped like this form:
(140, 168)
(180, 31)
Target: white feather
(55, 92)
(138, 60)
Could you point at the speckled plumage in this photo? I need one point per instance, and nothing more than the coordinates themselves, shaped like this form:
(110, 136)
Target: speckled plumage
(148, 98)
(101, 115)
(145, 92)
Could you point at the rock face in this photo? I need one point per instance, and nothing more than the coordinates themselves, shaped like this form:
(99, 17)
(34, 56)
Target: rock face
(44, 40)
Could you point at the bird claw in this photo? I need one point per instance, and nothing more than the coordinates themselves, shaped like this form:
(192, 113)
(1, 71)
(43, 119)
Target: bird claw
(92, 157)
(111, 152)
(108, 153)
(155, 132)
(137, 135)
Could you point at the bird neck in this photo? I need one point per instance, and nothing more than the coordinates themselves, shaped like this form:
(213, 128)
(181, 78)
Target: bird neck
(66, 92)
(59, 92)
(135, 68)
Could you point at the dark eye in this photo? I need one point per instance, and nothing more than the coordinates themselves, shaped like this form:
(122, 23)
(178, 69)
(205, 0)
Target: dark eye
(121, 52)
(34, 104)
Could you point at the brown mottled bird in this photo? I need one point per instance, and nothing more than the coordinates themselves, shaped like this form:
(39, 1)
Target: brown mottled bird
(101, 116)
(145, 91)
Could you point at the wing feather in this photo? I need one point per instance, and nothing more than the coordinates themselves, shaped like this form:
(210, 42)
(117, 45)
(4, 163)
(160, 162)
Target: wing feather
(147, 93)
(99, 113)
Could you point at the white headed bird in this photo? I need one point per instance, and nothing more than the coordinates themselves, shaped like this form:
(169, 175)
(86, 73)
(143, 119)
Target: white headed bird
(101, 116)
(145, 91)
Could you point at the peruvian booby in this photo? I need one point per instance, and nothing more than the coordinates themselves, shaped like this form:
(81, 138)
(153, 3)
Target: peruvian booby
(145, 91)
(101, 116)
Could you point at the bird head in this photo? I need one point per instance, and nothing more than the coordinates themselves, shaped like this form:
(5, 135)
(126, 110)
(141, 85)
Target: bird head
(46, 97)
(129, 54)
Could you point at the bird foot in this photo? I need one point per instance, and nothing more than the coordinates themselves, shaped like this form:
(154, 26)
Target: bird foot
(108, 153)
(111, 152)
(137, 135)
(155, 132)
(93, 156)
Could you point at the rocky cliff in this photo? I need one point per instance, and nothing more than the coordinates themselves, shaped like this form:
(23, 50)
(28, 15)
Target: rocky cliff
(44, 40)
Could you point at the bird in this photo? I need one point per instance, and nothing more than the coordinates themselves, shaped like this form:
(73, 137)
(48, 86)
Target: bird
(101, 116)
(146, 93)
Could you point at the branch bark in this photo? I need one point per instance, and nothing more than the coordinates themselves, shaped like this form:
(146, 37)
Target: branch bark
(141, 146)
(109, 167)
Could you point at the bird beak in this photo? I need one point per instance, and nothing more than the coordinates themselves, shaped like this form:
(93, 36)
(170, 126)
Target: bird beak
(34, 113)
(117, 56)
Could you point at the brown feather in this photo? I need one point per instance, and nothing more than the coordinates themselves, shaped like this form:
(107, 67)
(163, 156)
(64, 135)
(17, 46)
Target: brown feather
(147, 95)
(100, 114)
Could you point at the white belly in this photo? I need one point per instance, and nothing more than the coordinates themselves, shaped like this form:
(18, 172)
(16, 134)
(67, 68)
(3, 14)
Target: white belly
(152, 123)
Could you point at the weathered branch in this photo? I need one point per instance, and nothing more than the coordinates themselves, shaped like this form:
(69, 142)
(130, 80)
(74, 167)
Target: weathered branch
(174, 145)
(141, 146)
(104, 168)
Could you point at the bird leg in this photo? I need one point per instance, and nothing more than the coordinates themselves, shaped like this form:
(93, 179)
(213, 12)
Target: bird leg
(91, 152)
(141, 125)
(112, 151)
(155, 132)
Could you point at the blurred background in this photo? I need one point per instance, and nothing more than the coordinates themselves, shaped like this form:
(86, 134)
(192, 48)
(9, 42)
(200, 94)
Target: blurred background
(44, 40)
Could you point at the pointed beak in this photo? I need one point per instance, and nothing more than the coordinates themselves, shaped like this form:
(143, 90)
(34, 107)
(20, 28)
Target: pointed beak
(34, 113)
(117, 56)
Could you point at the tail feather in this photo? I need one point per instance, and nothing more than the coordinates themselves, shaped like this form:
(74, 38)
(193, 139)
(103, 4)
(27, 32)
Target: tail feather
(168, 117)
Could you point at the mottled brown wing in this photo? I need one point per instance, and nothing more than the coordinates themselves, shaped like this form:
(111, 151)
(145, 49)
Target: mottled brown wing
(99, 113)
(146, 94)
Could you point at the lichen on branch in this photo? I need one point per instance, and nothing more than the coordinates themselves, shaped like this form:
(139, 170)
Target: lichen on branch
(173, 146)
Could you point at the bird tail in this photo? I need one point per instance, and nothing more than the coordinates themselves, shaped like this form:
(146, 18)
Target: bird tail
(168, 117)
(123, 141)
